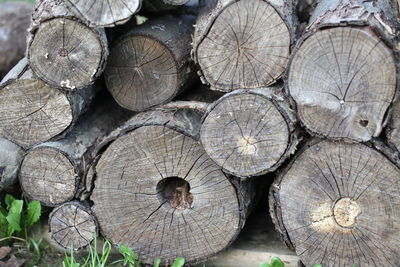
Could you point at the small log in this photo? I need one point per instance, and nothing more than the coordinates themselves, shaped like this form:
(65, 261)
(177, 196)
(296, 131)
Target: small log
(10, 159)
(72, 225)
(250, 132)
(151, 64)
(32, 112)
(53, 172)
(337, 205)
(243, 44)
(14, 21)
(343, 72)
(63, 51)
(158, 192)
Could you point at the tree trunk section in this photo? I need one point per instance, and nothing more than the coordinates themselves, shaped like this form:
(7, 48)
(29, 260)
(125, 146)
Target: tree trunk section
(337, 203)
(243, 44)
(250, 132)
(151, 64)
(62, 51)
(14, 21)
(53, 172)
(32, 112)
(343, 72)
(10, 159)
(158, 192)
(72, 225)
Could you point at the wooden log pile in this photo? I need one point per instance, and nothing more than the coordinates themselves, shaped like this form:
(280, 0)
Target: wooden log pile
(87, 125)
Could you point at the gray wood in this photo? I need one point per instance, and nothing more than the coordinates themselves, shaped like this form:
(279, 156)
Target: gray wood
(32, 112)
(250, 132)
(53, 172)
(72, 225)
(151, 64)
(158, 192)
(243, 44)
(343, 72)
(393, 129)
(62, 51)
(10, 159)
(14, 21)
(337, 204)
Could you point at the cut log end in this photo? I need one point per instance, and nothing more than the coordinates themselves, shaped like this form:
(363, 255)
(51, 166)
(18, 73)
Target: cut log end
(65, 53)
(32, 112)
(246, 134)
(339, 203)
(72, 226)
(343, 80)
(49, 176)
(247, 46)
(184, 204)
(141, 73)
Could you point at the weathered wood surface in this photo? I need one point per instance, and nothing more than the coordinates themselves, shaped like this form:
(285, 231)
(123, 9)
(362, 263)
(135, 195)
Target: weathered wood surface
(14, 21)
(63, 51)
(158, 192)
(343, 72)
(243, 44)
(72, 225)
(151, 64)
(32, 112)
(10, 159)
(250, 132)
(337, 204)
(53, 172)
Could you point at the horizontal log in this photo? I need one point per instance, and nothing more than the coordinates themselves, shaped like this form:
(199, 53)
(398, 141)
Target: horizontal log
(11, 156)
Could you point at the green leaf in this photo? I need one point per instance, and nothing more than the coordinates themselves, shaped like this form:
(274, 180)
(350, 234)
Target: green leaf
(14, 215)
(157, 262)
(317, 265)
(277, 262)
(8, 200)
(3, 225)
(179, 262)
(264, 264)
(33, 214)
(128, 254)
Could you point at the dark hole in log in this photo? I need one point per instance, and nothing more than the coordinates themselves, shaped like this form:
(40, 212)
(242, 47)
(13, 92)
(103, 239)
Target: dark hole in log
(364, 123)
(63, 52)
(175, 192)
(2, 169)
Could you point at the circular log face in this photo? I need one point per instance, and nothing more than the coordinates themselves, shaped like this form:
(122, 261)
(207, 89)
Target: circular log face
(343, 80)
(141, 73)
(32, 112)
(72, 226)
(66, 53)
(246, 47)
(104, 13)
(340, 206)
(158, 192)
(245, 134)
(48, 176)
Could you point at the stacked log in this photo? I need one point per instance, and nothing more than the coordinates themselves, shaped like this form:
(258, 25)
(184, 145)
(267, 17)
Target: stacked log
(10, 159)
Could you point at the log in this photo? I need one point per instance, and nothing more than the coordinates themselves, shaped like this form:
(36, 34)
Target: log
(250, 132)
(158, 192)
(72, 225)
(53, 172)
(62, 51)
(393, 129)
(243, 44)
(343, 73)
(337, 205)
(14, 21)
(10, 159)
(32, 112)
(151, 64)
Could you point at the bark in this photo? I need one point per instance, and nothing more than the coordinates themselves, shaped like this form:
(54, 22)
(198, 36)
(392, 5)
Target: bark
(250, 132)
(72, 225)
(57, 52)
(336, 204)
(104, 13)
(151, 64)
(14, 20)
(343, 72)
(243, 44)
(53, 172)
(32, 112)
(10, 159)
(183, 204)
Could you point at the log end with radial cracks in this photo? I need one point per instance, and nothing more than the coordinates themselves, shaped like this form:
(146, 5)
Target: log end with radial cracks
(343, 81)
(338, 205)
(247, 45)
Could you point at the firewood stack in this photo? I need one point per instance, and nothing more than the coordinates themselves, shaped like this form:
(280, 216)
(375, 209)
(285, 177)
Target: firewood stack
(88, 126)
